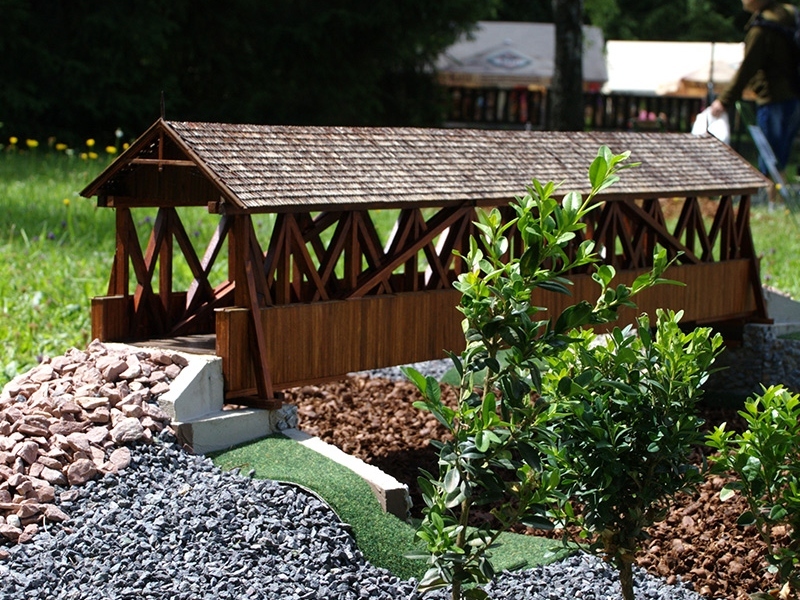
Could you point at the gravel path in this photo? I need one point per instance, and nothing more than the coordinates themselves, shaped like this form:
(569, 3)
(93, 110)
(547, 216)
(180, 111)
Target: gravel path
(173, 526)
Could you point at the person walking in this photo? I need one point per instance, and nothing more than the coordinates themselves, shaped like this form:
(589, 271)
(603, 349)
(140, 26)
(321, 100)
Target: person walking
(769, 70)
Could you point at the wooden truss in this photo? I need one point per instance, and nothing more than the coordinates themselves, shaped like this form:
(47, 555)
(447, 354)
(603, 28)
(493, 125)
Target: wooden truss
(335, 258)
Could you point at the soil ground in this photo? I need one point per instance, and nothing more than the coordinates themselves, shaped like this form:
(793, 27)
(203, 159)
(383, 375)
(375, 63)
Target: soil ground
(699, 540)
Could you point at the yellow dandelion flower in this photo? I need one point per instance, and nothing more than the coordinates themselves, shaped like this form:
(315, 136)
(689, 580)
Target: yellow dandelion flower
(13, 139)
(90, 143)
(66, 202)
(111, 150)
(84, 156)
(31, 143)
(93, 155)
(60, 147)
(125, 146)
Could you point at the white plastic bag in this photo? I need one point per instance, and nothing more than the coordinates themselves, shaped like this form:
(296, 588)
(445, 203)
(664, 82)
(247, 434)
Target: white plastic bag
(719, 127)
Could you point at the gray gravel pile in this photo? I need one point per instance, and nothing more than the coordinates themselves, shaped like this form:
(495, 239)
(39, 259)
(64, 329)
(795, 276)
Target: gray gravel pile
(582, 576)
(435, 368)
(173, 526)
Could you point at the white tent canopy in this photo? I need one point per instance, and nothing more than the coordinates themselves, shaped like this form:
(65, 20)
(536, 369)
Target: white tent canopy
(659, 67)
(505, 55)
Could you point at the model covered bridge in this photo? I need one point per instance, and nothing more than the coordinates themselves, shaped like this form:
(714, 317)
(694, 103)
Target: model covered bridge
(333, 247)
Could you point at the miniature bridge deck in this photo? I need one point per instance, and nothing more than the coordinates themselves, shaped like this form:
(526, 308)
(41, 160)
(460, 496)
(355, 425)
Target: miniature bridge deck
(326, 293)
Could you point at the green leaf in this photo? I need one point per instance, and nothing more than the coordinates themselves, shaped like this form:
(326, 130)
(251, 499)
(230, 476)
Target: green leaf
(432, 390)
(608, 183)
(598, 171)
(432, 580)
(751, 469)
(482, 442)
(452, 480)
(572, 203)
(538, 522)
(417, 378)
(529, 261)
(778, 513)
(726, 493)
(488, 410)
(604, 274)
(574, 316)
(530, 455)
(456, 360)
(554, 286)
(745, 519)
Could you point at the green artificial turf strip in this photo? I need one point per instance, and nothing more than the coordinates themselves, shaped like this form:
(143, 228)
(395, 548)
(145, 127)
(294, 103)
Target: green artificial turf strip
(383, 538)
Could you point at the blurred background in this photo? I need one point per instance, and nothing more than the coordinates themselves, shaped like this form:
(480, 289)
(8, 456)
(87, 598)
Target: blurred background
(70, 69)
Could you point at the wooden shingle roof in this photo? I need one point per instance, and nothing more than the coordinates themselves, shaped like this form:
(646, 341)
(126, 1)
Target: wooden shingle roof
(263, 168)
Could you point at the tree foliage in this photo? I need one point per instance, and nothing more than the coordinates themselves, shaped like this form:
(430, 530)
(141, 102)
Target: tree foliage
(628, 428)
(765, 459)
(684, 20)
(85, 67)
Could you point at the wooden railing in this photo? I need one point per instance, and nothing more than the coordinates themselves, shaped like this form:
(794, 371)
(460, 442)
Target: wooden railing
(493, 107)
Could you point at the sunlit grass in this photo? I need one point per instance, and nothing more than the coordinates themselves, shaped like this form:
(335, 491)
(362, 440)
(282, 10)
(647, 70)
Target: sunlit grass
(776, 234)
(55, 253)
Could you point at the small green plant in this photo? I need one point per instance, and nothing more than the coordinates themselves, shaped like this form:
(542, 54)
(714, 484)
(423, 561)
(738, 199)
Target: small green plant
(499, 428)
(765, 459)
(627, 430)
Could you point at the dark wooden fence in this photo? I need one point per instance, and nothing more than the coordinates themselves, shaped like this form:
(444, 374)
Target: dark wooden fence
(528, 108)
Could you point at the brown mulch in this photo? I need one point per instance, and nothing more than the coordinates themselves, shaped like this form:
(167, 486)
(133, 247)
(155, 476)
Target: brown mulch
(699, 540)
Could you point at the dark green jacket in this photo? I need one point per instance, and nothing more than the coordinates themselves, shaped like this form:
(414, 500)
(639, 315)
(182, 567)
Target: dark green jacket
(768, 67)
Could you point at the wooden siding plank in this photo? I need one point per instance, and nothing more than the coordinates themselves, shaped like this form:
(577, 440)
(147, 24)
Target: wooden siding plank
(110, 318)
(381, 331)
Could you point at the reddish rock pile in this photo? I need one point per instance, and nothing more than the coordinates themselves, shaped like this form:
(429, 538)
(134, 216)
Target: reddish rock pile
(68, 420)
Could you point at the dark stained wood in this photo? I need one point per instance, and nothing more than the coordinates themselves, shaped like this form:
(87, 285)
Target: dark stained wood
(258, 340)
(120, 273)
(110, 316)
(375, 331)
(162, 163)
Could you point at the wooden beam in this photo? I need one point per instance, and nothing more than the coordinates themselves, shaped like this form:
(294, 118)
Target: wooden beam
(302, 259)
(438, 223)
(238, 237)
(665, 238)
(165, 259)
(160, 162)
(259, 341)
(120, 274)
(144, 299)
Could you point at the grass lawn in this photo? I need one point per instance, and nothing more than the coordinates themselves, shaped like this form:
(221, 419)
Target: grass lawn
(777, 240)
(55, 254)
